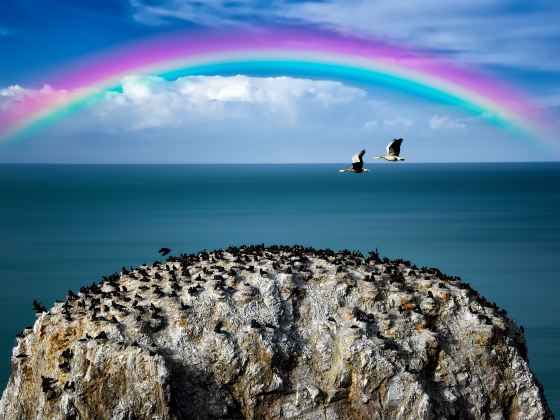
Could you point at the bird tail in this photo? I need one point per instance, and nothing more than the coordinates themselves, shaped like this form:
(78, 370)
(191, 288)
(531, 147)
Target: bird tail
(378, 157)
(344, 170)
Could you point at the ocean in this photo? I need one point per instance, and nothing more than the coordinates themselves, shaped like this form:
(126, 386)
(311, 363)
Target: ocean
(497, 226)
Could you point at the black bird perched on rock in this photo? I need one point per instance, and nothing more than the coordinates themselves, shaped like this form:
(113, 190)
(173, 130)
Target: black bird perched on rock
(46, 383)
(101, 336)
(164, 251)
(218, 327)
(67, 354)
(65, 366)
(255, 324)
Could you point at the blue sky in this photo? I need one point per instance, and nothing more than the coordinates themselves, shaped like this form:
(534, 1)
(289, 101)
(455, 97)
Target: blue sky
(285, 119)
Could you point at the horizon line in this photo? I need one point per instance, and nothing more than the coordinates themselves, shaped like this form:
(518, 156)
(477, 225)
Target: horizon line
(260, 163)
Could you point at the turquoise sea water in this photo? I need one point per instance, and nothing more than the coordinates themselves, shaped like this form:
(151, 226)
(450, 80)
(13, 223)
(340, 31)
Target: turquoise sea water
(495, 225)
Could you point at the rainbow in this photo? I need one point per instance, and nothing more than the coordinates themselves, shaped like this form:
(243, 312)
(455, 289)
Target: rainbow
(272, 52)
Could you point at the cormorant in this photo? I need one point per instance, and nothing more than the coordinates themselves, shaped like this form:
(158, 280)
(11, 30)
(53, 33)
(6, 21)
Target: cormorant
(101, 336)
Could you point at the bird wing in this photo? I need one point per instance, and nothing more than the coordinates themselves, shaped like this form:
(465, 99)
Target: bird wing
(358, 157)
(394, 148)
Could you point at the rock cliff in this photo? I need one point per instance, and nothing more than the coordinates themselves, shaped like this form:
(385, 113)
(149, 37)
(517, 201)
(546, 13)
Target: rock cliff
(273, 332)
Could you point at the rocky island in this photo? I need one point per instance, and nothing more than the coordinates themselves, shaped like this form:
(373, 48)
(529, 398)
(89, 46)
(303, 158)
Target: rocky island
(273, 332)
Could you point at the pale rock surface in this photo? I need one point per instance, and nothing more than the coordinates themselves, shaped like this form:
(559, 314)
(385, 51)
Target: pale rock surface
(278, 332)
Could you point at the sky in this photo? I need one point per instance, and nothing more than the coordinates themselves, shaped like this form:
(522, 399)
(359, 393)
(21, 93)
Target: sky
(286, 118)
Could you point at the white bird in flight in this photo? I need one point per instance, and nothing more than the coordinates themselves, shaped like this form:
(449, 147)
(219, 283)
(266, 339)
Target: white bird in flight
(357, 163)
(393, 151)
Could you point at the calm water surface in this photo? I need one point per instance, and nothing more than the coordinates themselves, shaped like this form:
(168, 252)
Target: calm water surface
(495, 225)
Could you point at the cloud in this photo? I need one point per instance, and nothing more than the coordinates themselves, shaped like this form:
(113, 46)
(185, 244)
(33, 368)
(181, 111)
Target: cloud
(239, 119)
(208, 12)
(17, 93)
(398, 122)
(482, 32)
(445, 121)
(16, 101)
(155, 102)
(370, 124)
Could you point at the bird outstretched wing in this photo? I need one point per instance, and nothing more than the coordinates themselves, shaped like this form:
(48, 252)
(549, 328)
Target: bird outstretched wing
(394, 148)
(359, 157)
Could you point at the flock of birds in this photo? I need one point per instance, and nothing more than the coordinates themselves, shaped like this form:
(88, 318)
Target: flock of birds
(393, 155)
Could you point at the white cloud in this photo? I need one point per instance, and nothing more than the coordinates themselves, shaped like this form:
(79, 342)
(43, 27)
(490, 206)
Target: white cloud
(397, 122)
(487, 32)
(208, 12)
(249, 119)
(370, 124)
(12, 93)
(16, 98)
(155, 102)
(445, 121)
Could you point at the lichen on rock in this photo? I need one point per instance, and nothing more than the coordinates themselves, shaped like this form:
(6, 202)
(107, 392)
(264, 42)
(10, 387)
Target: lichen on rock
(273, 332)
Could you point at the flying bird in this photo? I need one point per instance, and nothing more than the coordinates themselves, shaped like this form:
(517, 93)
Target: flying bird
(393, 151)
(357, 163)
(164, 251)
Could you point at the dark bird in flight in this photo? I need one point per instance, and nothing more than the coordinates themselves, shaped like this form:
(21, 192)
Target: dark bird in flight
(393, 151)
(357, 164)
(164, 251)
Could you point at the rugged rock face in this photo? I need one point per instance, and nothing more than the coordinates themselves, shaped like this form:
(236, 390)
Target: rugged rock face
(278, 332)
